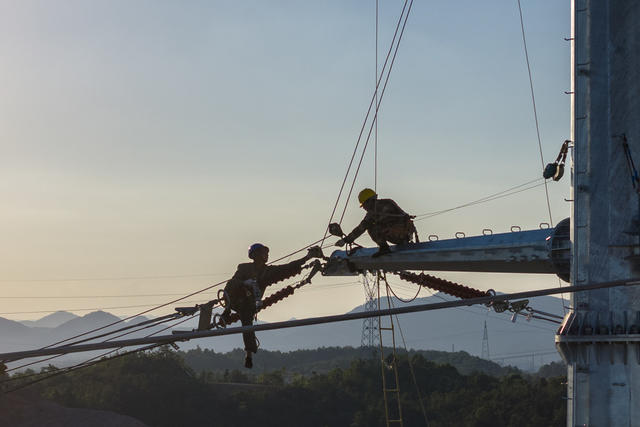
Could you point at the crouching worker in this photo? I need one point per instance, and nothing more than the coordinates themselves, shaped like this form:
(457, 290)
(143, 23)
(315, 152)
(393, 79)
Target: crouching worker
(244, 290)
(384, 221)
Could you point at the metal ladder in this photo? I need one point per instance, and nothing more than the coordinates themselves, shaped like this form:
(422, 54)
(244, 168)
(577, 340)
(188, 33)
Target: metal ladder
(390, 381)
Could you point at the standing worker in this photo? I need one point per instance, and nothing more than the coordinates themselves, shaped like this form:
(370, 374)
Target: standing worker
(244, 290)
(384, 221)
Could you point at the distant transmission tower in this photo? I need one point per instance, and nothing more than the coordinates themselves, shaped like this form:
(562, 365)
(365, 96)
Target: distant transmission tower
(485, 343)
(370, 334)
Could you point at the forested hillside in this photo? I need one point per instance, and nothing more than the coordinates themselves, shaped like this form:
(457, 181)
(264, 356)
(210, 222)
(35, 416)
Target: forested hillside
(324, 359)
(161, 390)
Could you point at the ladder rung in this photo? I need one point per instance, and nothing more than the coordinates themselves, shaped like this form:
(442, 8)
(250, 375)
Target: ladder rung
(395, 421)
(386, 329)
(392, 390)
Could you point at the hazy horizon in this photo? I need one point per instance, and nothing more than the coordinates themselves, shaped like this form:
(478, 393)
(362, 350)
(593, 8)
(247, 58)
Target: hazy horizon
(146, 145)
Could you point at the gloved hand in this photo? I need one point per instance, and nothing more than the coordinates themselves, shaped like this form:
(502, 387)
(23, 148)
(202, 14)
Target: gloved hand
(340, 243)
(315, 252)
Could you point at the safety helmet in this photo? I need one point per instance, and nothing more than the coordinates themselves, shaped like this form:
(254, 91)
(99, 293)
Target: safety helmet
(255, 247)
(365, 195)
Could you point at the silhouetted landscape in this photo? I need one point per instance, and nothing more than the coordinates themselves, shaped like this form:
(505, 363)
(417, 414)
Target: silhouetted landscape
(442, 330)
(324, 387)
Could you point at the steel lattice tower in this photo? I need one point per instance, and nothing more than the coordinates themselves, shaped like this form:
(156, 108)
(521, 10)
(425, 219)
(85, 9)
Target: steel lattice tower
(370, 334)
(485, 343)
(600, 338)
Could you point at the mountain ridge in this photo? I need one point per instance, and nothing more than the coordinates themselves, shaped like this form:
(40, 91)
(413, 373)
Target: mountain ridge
(458, 329)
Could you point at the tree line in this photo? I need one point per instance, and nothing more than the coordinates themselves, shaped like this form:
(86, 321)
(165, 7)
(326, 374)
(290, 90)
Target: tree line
(161, 389)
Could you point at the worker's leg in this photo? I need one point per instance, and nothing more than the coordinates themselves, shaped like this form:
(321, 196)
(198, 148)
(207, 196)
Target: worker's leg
(399, 233)
(249, 338)
(379, 236)
(246, 309)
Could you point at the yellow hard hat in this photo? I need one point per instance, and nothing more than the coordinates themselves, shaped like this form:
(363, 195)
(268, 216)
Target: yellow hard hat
(365, 195)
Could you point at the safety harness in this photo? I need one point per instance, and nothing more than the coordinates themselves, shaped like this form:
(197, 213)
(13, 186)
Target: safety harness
(221, 320)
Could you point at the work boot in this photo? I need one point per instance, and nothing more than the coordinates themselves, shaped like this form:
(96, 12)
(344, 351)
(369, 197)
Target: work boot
(248, 361)
(382, 251)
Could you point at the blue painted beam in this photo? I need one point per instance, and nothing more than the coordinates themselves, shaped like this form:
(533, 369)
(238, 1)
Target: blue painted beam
(533, 251)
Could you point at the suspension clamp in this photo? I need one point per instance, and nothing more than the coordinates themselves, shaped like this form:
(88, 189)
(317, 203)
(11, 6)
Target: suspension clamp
(555, 170)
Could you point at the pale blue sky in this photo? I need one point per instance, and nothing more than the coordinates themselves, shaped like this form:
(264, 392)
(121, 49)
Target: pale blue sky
(162, 138)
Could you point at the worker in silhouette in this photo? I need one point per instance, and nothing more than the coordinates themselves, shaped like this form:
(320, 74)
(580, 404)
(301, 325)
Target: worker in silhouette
(244, 290)
(384, 221)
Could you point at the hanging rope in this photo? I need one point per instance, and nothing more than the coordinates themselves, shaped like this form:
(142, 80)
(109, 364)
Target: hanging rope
(406, 301)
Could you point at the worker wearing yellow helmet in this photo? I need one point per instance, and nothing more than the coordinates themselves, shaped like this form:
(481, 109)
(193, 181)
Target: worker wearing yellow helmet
(385, 222)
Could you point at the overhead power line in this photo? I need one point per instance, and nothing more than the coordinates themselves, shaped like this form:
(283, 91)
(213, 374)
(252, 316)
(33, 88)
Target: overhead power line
(92, 296)
(113, 279)
(316, 288)
(42, 376)
(167, 339)
(90, 309)
(504, 193)
(130, 295)
(131, 328)
(172, 301)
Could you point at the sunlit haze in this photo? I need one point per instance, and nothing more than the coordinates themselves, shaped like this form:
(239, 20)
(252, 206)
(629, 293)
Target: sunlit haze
(145, 145)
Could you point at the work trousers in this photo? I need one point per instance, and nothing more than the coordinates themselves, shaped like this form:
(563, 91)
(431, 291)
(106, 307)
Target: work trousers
(246, 308)
(397, 233)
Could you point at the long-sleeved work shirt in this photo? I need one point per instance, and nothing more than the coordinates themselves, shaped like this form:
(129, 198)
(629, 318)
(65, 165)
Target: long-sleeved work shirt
(264, 275)
(386, 213)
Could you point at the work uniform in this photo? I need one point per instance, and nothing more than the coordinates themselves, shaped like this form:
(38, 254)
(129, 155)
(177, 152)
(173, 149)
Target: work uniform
(387, 222)
(241, 296)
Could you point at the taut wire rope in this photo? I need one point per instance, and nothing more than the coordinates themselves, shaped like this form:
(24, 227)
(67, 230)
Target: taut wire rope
(535, 115)
(375, 151)
(535, 110)
(375, 116)
(364, 123)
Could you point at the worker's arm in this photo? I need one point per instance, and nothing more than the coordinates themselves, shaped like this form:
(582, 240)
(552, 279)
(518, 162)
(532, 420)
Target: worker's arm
(360, 229)
(276, 273)
(243, 272)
